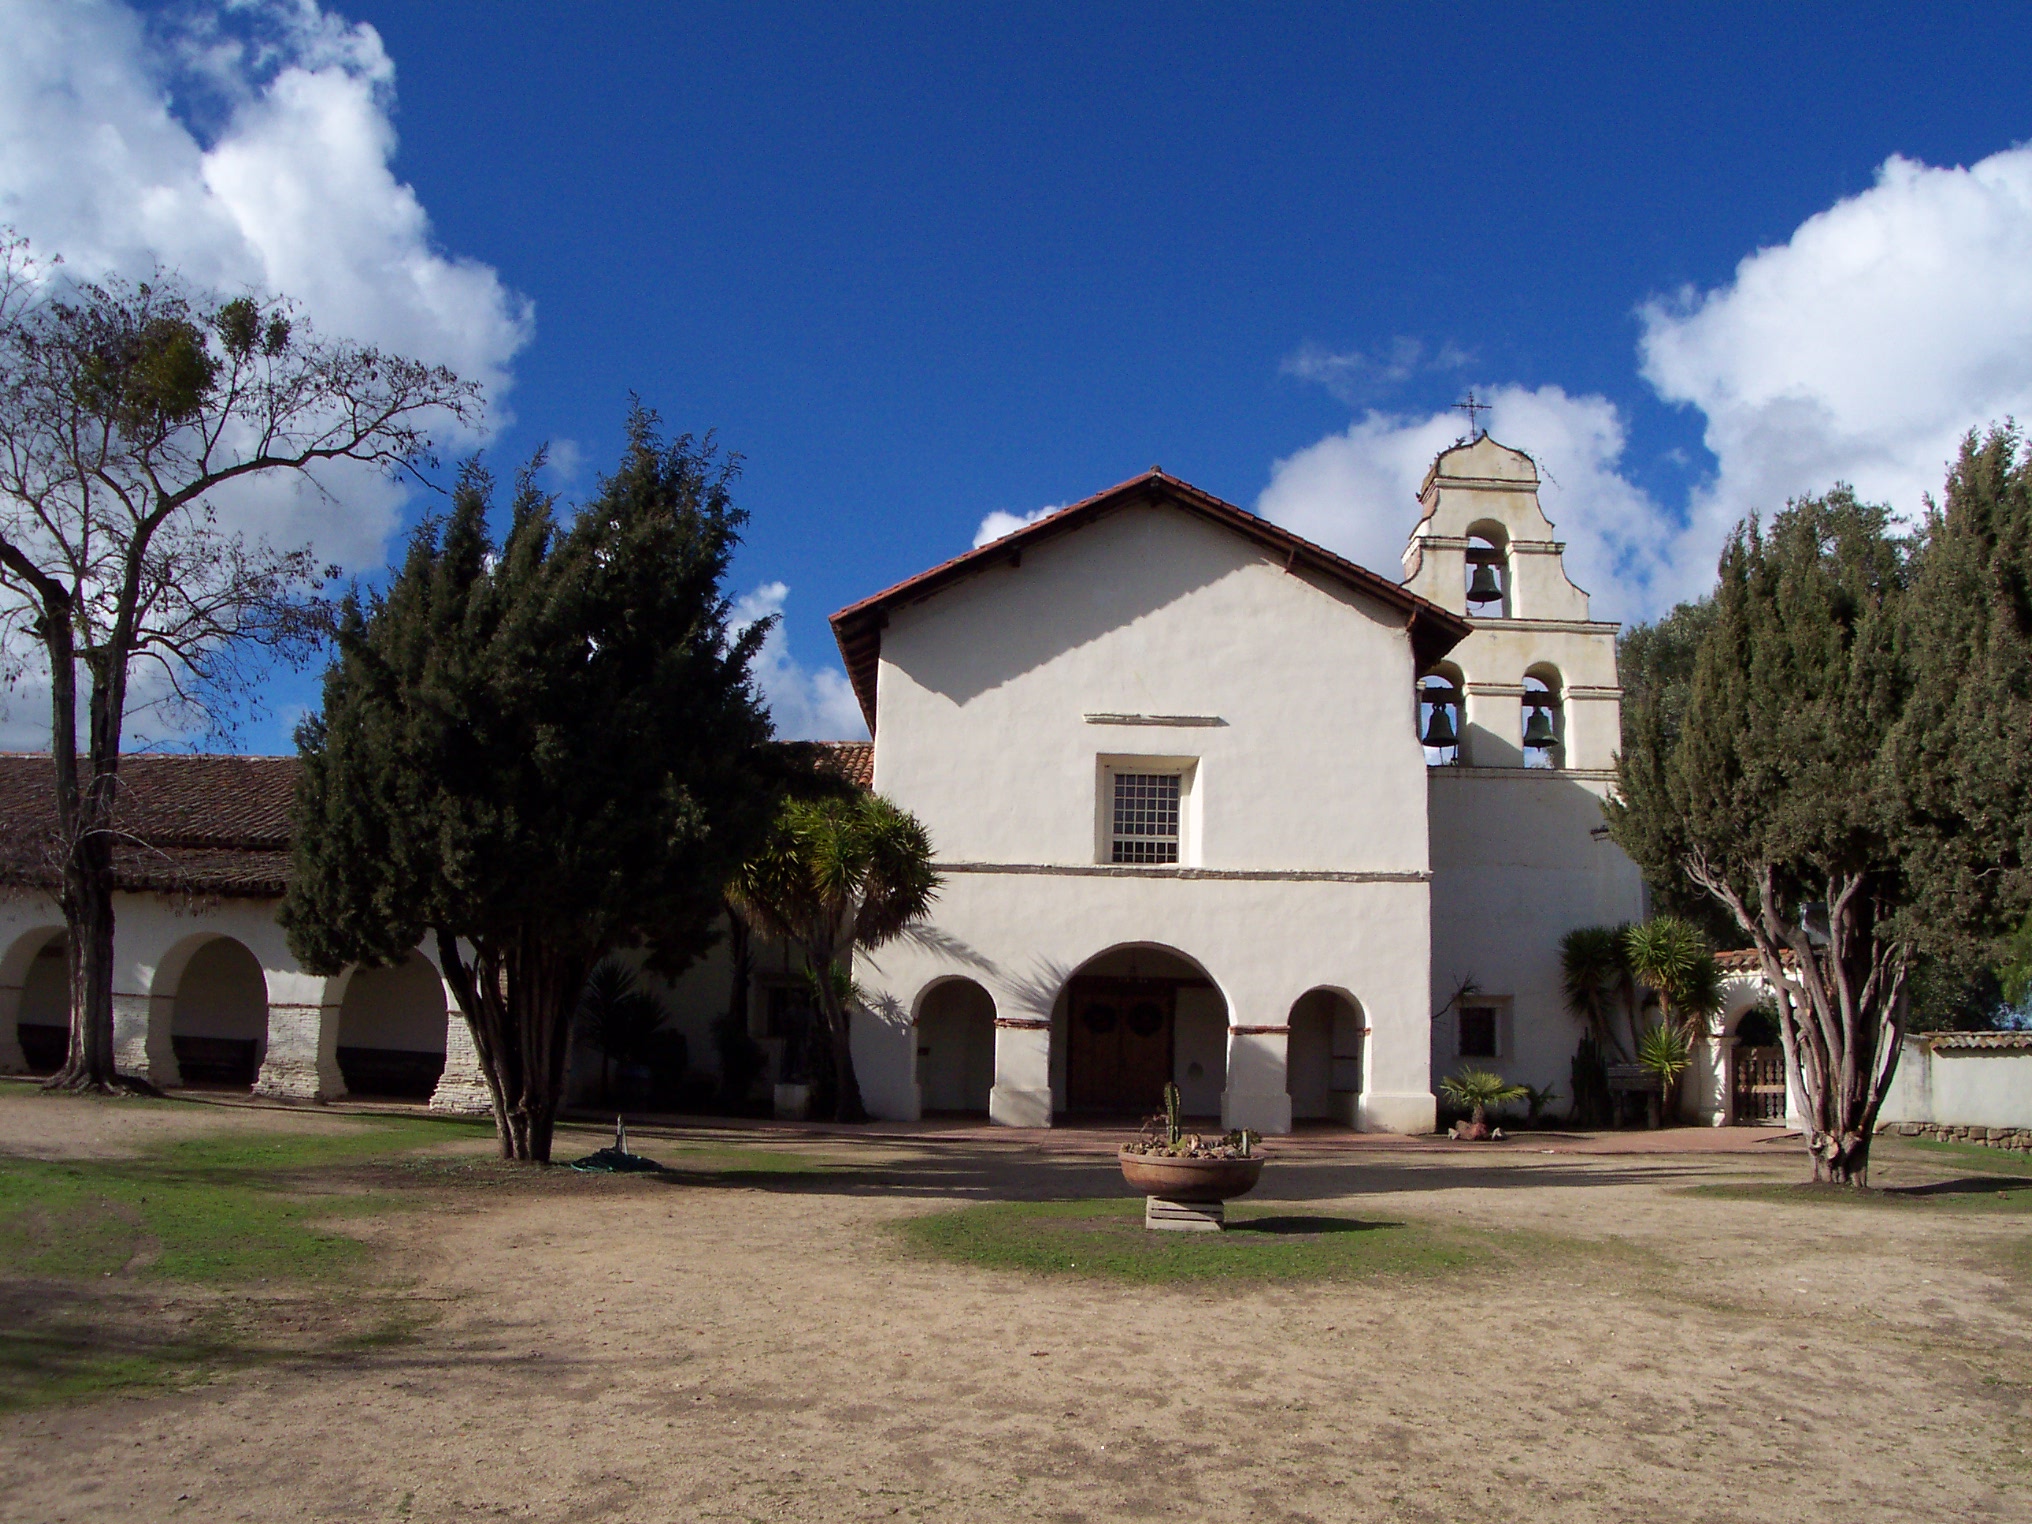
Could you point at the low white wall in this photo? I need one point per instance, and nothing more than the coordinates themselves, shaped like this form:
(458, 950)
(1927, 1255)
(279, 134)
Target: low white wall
(1963, 1079)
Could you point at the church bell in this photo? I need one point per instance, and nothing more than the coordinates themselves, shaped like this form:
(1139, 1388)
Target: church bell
(1538, 733)
(1484, 588)
(1439, 727)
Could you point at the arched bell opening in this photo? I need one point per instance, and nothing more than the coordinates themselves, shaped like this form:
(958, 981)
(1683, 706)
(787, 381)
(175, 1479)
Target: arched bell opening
(1441, 715)
(1544, 718)
(43, 1020)
(955, 1049)
(1488, 571)
(1323, 1056)
(392, 1031)
(218, 1019)
(1135, 1018)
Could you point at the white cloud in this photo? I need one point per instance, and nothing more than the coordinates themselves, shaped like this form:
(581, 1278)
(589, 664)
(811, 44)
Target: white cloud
(246, 145)
(1865, 346)
(1859, 350)
(1000, 523)
(809, 703)
(1355, 377)
(1356, 492)
(289, 190)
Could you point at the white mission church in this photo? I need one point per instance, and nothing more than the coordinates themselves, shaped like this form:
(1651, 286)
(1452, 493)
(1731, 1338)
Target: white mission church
(1211, 803)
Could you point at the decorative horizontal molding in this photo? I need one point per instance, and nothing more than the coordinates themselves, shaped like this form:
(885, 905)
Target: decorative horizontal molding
(1518, 690)
(1545, 626)
(1154, 719)
(1483, 483)
(1487, 773)
(1238, 875)
(1283, 1031)
(1024, 1023)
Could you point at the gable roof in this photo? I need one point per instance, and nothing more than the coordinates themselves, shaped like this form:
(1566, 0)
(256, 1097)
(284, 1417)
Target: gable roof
(858, 627)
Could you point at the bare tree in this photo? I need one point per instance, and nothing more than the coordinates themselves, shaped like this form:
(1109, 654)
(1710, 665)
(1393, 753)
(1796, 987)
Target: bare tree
(125, 409)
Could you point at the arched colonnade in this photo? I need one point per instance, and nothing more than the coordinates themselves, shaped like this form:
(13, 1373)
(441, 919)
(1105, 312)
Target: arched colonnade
(222, 1004)
(1120, 1026)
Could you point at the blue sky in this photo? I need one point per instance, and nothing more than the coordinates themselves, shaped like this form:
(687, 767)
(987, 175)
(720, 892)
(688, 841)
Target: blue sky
(924, 264)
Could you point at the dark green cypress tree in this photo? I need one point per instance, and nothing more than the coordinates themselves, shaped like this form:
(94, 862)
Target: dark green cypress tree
(1778, 796)
(537, 753)
(1964, 747)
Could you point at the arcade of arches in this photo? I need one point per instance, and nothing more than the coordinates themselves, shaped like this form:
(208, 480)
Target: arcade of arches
(205, 1015)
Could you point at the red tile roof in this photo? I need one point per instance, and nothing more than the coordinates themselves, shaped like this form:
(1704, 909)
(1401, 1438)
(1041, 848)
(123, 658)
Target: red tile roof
(209, 825)
(197, 824)
(858, 627)
(854, 759)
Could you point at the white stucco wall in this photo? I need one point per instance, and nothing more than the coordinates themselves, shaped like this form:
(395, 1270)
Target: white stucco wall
(1305, 858)
(1961, 1087)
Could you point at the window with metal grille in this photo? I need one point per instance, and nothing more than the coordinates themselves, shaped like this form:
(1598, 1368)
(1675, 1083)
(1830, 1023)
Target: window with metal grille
(1146, 818)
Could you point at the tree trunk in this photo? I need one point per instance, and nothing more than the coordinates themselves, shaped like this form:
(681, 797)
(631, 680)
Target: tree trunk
(1841, 1010)
(85, 808)
(1842, 1160)
(88, 914)
(847, 1104)
(518, 997)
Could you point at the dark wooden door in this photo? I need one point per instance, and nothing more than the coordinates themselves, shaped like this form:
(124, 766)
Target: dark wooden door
(1118, 1052)
(1760, 1084)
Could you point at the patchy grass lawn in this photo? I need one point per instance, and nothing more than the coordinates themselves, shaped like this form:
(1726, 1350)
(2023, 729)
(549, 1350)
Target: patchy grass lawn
(198, 1254)
(1106, 1239)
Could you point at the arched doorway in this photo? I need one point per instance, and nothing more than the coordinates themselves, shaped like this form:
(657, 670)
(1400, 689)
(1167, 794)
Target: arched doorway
(1136, 1018)
(43, 1025)
(956, 1049)
(1323, 1057)
(392, 1030)
(218, 1020)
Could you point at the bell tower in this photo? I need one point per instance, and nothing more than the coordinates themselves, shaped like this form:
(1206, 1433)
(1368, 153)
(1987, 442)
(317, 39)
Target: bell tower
(1531, 705)
(1536, 668)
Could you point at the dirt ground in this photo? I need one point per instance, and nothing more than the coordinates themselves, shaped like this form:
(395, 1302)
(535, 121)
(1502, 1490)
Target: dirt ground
(630, 1349)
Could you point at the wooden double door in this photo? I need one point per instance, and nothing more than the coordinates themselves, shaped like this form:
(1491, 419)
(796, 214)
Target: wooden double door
(1119, 1044)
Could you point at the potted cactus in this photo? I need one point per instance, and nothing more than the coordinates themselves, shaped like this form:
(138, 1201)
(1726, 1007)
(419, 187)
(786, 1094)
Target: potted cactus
(1185, 1176)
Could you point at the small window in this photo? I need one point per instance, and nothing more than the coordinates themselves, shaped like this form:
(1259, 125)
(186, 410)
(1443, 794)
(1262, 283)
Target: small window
(1478, 1031)
(1145, 826)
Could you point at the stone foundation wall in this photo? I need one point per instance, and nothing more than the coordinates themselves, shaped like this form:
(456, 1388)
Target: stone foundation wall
(2019, 1138)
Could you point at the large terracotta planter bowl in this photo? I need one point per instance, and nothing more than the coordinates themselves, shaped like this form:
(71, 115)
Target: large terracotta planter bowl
(1172, 1179)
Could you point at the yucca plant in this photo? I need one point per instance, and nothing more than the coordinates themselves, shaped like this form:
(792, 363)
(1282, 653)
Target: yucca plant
(1665, 1052)
(1673, 958)
(1478, 1090)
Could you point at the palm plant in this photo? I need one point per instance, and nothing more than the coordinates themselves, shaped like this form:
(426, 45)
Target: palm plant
(1673, 958)
(1595, 972)
(838, 872)
(1665, 1052)
(618, 1017)
(1478, 1090)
